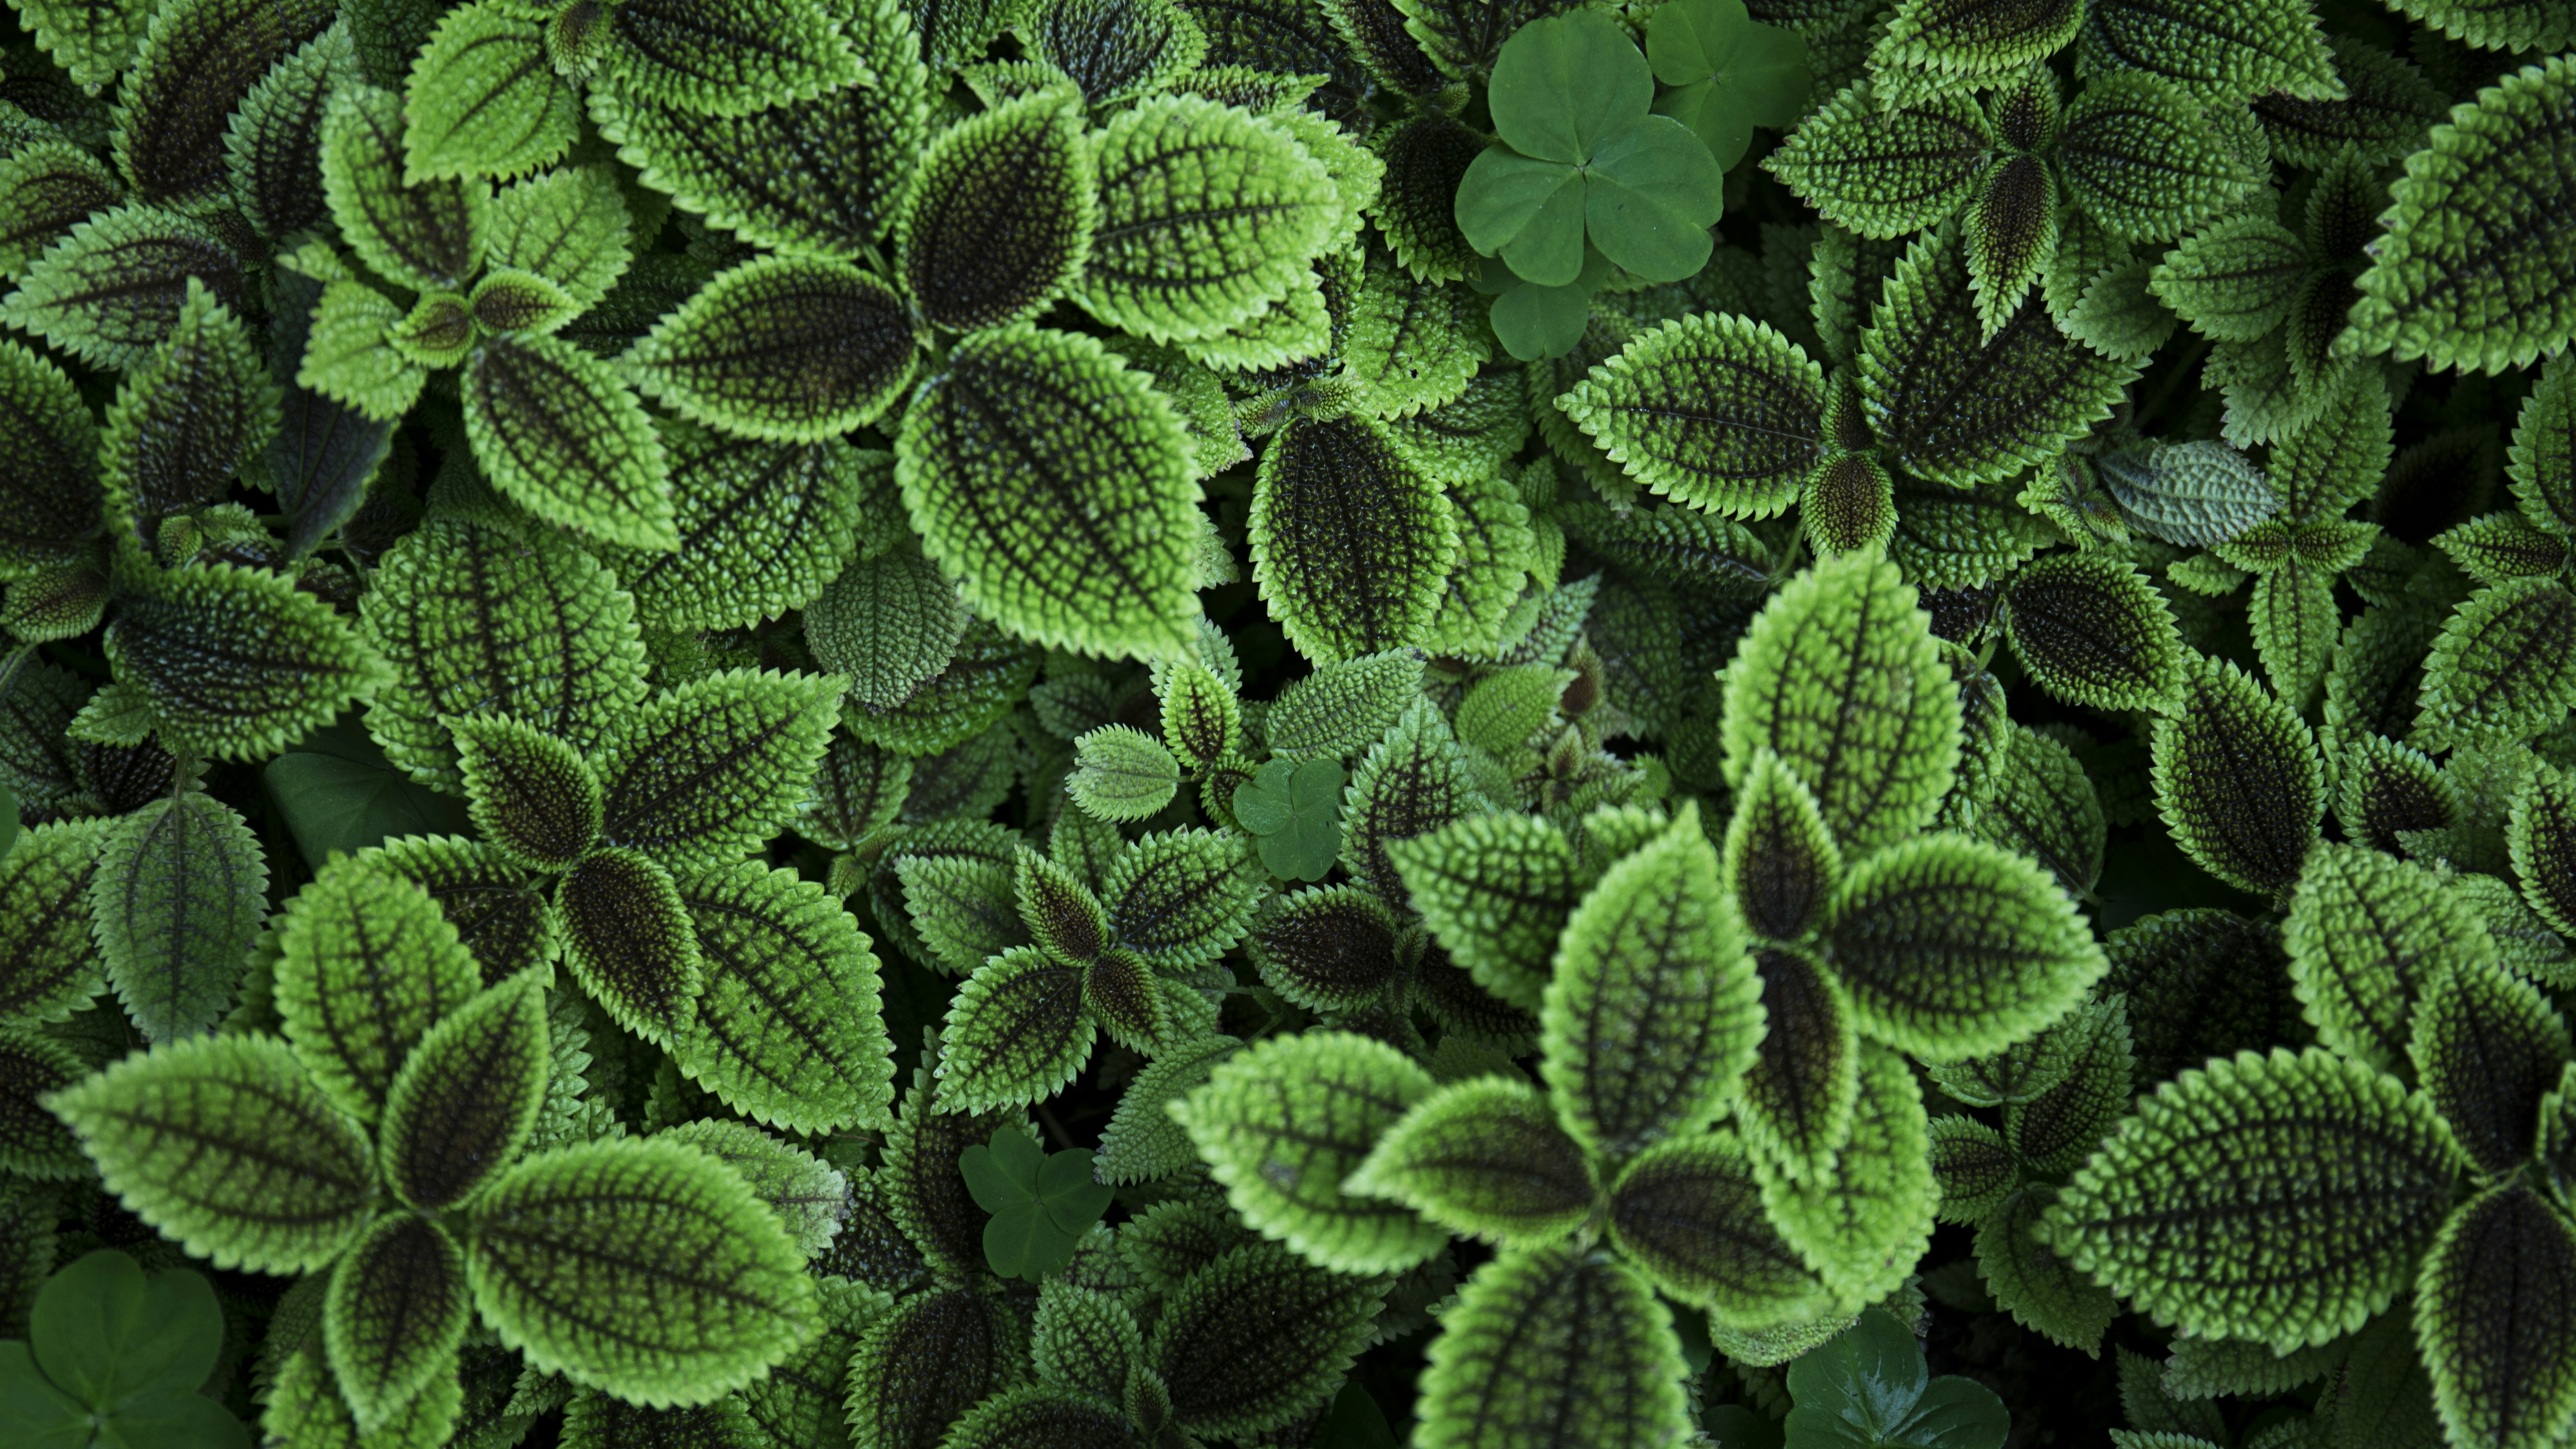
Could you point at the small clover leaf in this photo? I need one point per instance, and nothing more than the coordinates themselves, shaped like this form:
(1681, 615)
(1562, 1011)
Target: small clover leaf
(1728, 73)
(1867, 1388)
(1042, 1203)
(1295, 811)
(115, 1359)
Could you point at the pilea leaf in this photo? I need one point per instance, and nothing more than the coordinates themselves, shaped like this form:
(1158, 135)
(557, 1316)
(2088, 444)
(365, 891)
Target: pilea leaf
(1016, 1033)
(1958, 403)
(1000, 213)
(1799, 1092)
(2502, 665)
(2486, 1046)
(2035, 1283)
(1122, 773)
(2139, 158)
(1283, 1123)
(1715, 412)
(723, 62)
(367, 965)
(2482, 295)
(532, 795)
(394, 1313)
(890, 623)
(175, 902)
(1236, 1372)
(786, 1030)
(763, 528)
(91, 43)
(1496, 890)
(560, 435)
(922, 1367)
(1884, 170)
(710, 770)
(468, 1096)
(2091, 630)
(226, 1145)
(484, 100)
(48, 968)
(1688, 1211)
(197, 62)
(51, 457)
(2281, 1198)
(786, 349)
(1484, 1157)
(1330, 949)
(426, 236)
(1877, 774)
(569, 225)
(188, 418)
(1207, 216)
(110, 291)
(2195, 494)
(472, 619)
(1056, 484)
(1542, 1339)
(2238, 779)
(1350, 540)
(1654, 1012)
(1781, 861)
(1858, 1222)
(237, 663)
(628, 940)
(2492, 1317)
(712, 1289)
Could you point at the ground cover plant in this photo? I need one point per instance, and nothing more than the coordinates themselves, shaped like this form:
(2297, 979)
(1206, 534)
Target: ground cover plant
(978, 724)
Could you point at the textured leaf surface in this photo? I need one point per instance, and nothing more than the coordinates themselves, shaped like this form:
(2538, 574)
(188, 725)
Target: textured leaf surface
(1015, 1034)
(226, 1145)
(368, 964)
(2468, 275)
(1716, 412)
(2238, 780)
(175, 902)
(787, 349)
(2282, 1198)
(710, 770)
(2367, 935)
(1000, 214)
(2092, 631)
(468, 1096)
(1483, 1157)
(2504, 664)
(237, 663)
(1654, 1010)
(1350, 540)
(483, 100)
(1285, 1122)
(394, 1313)
(1549, 1348)
(1864, 1221)
(426, 236)
(2493, 1314)
(1250, 1340)
(640, 1267)
(560, 435)
(788, 1030)
(110, 291)
(1848, 633)
(1885, 170)
(1057, 486)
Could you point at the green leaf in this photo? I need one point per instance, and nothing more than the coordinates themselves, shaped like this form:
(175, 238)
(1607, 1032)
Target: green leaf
(2044, 807)
(922, 1367)
(197, 64)
(2493, 1317)
(50, 456)
(367, 965)
(1033, 1415)
(104, 1336)
(559, 434)
(1284, 1122)
(781, 348)
(2385, 110)
(350, 356)
(1256, 1339)
(2540, 834)
(306, 1405)
(532, 795)
(237, 663)
(1181, 898)
(1083, 1340)
(48, 968)
(1142, 1143)
(1331, 949)
(1976, 1170)
(175, 903)
(1653, 1015)
(91, 43)
(2542, 463)
(2266, 46)
(1726, 74)
(1941, 45)
(1716, 412)
(1208, 215)
(1413, 781)
(111, 291)
(1689, 1212)
(1781, 861)
(569, 226)
(1885, 170)
(1862, 1222)
(2136, 154)
(709, 771)
(787, 1031)
(1953, 948)
(1878, 775)
(468, 1097)
(1350, 541)
(2092, 631)
(2486, 1047)
(763, 528)
(188, 418)
(723, 61)
(1868, 1386)
(891, 623)
(628, 940)
(2234, 281)
(475, 620)
(1553, 1346)
(1121, 773)
(484, 100)
(1496, 890)
(33, 1143)
(274, 141)
(1041, 1202)
(425, 236)
(643, 1268)
(2238, 780)
(2195, 494)
(1016, 1033)
(2466, 276)
(2295, 623)
(394, 1313)
(1959, 404)
(1202, 721)
(227, 1147)
(1057, 485)
(2496, 546)
(2504, 664)
(1343, 708)
(999, 217)
(2282, 1198)
(1483, 1157)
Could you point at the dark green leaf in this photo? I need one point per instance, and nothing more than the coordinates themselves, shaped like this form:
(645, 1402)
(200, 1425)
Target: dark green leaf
(2238, 780)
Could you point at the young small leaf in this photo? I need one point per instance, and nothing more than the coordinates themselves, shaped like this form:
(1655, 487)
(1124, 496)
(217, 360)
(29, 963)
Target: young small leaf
(394, 1313)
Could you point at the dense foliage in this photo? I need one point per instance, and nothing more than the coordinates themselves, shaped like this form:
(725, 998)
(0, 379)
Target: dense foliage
(977, 724)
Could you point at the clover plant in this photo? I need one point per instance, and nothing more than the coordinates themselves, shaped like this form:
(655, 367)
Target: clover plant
(1138, 724)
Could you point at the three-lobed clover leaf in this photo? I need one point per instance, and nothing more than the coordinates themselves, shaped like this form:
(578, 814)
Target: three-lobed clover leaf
(1295, 810)
(1729, 73)
(116, 1360)
(1042, 1202)
(1868, 1388)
